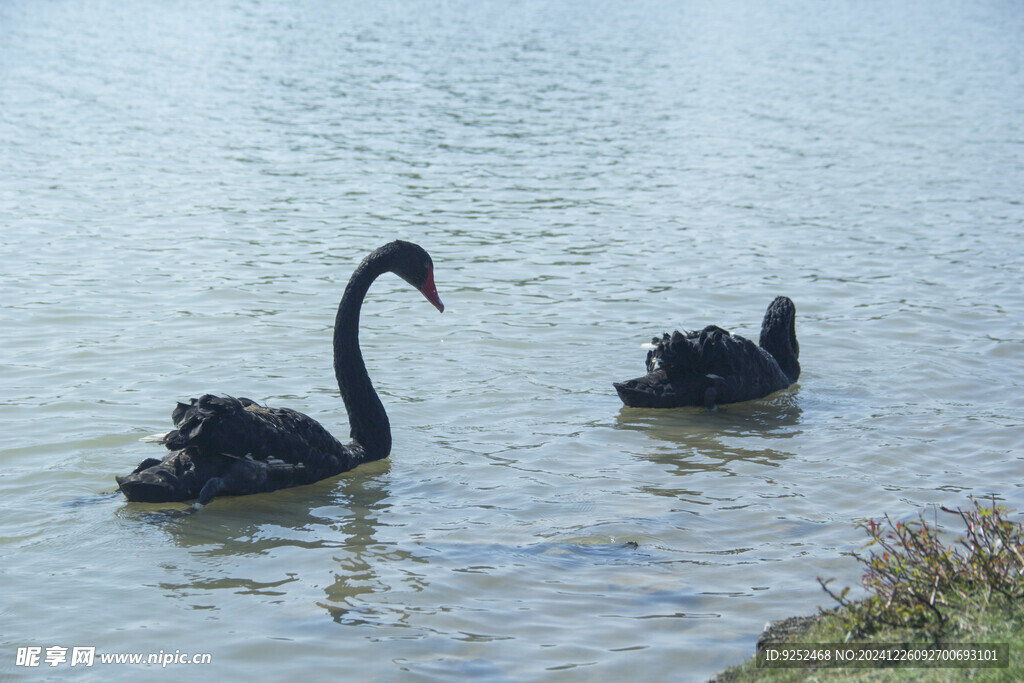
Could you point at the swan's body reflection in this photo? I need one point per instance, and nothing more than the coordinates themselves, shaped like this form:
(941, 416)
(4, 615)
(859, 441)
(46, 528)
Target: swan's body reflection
(694, 439)
(262, 543)
(321, 546)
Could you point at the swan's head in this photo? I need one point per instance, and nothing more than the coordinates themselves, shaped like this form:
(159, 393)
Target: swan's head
(413, 264)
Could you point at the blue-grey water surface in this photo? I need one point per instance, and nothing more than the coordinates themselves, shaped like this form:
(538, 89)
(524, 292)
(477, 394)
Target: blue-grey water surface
(187, 186)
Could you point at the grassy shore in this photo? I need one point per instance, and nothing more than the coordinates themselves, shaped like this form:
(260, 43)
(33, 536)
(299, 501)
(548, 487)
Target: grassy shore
(922, 593)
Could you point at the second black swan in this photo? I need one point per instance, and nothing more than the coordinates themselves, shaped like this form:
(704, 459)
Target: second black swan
(234, 446)
(711, 366)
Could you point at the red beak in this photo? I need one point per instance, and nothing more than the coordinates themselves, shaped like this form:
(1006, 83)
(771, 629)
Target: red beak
(429, 290)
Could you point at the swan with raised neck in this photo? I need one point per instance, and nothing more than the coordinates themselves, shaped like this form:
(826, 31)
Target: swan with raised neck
(233, 446)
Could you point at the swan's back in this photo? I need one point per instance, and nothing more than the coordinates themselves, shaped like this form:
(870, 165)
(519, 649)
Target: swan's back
(240, 446)
(711, 366)
(711, 351)
(241, 427)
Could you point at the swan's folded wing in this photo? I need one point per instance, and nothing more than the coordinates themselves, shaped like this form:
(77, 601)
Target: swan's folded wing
(218, 426)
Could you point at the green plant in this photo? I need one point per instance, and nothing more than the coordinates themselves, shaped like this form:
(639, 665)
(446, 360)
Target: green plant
(917, 582)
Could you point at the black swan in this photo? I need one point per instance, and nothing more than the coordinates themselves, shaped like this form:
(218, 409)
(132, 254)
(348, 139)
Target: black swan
(711, 366)
(234, 446)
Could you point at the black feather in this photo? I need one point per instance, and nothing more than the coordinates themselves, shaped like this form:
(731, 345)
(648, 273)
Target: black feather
(711, 366)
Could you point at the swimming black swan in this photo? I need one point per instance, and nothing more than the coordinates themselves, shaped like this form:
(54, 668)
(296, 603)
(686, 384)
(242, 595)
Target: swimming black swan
(234, 446)
(711, 366)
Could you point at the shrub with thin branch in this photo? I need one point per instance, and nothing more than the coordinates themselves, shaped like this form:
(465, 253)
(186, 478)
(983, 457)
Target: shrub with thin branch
(915, 581)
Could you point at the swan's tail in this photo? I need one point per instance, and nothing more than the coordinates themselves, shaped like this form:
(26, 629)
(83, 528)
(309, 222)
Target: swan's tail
(182, 474)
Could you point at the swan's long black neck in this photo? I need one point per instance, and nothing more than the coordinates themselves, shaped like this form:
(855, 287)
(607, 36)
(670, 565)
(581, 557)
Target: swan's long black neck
(370, 429)
(778, 336)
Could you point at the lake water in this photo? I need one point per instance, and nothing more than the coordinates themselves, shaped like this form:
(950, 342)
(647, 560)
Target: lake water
(187, 187)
